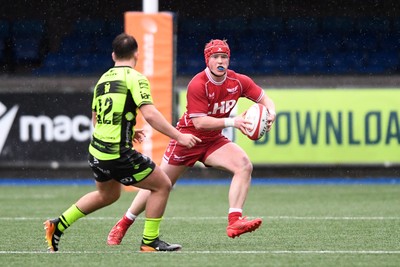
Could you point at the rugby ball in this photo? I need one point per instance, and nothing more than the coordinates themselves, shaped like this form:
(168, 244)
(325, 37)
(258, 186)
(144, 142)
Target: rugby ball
(257, 114)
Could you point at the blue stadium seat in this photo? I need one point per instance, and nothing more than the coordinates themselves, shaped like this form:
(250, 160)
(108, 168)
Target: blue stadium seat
(4, 29)
(2, 48)
(326, 42)
(27, 49)
(337, 24)
(190, 62)
(361, 41)
(390, 42)
(114, 27)
(291, 42)
(311, 63)
(347, 62)
(88, 28)
(93, 64)
(4, 34)
(72, 45)
(267, 25)
(396, 25)
(258, 44)
(191, 27)
(235, 24)
(383, 62)
(27, 36)
(55, 64)
(103, 45)
(275, 64)
(338, 63)
(372, 25)
(28, 28)
(302, 25)
(242, 63)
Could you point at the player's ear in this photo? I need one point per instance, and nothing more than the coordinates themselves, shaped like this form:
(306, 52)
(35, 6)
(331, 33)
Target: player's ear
(136, 55)
(113, 56)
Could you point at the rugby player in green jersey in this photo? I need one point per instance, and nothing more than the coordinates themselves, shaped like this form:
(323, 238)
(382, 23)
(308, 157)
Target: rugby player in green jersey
(118, 95)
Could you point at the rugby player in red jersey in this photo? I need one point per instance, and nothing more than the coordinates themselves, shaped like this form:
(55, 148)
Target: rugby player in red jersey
(211, 96)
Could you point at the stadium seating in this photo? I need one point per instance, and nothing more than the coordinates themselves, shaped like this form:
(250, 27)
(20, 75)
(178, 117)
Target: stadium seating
(27, 37)
(4, 34)
(57, 64)
(376, 25)
(337, 25)
(259, 45)
(383, 61)
(27, 49)
(303, 25)
(390, 42)
(266, 25)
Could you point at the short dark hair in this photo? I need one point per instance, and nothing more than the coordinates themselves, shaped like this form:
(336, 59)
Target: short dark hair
(124, 46)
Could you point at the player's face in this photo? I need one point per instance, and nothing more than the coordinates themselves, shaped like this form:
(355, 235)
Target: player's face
(218, 63)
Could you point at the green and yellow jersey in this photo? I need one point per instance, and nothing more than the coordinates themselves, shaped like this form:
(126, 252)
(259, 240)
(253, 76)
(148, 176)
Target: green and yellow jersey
(116, 98)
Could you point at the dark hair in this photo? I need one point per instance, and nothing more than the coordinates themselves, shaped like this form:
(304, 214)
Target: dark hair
(124, 46)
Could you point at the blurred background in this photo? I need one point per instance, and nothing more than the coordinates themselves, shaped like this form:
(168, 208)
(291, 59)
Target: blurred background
(267, 37)
(55, 50)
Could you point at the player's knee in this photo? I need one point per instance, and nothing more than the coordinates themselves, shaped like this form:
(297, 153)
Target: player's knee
(108, 199)
(167, 184)
(164, 183)
(246, 165)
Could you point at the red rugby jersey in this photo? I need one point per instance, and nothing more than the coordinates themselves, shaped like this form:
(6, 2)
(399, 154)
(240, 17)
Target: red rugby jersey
(206, 97)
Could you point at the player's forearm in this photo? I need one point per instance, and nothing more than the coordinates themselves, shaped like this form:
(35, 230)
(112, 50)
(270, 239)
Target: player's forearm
(269, 104)
(159, 123)
(165, 128)
(208, 123)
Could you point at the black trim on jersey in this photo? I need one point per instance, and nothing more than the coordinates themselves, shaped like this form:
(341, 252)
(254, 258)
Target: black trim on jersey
(104, 147)
(127, 126)
(117, 87)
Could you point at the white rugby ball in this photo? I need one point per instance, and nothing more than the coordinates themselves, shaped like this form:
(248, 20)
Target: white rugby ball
(258, 115)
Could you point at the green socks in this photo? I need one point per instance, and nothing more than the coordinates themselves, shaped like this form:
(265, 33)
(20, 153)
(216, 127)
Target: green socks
(70, 216)
(150, 232)
(151, 229)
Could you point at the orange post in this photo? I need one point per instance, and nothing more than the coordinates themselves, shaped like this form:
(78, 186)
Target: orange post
(154, 34)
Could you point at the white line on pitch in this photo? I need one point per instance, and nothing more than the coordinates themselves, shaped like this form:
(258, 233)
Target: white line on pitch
(362, 218)
(223, 252)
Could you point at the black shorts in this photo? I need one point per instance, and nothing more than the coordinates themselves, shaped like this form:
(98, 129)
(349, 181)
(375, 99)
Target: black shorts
(130, 168)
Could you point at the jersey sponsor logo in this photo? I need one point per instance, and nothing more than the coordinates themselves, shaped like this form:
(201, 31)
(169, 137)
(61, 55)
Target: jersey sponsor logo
(6, 121)
(223, 107)
(144, 95)
(144, 86)
(232, 90)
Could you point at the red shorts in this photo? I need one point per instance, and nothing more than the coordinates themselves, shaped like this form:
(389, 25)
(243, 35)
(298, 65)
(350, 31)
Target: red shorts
(177, 154)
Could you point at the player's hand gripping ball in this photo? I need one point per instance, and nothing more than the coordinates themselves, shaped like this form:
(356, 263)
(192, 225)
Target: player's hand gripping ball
(258, 115)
